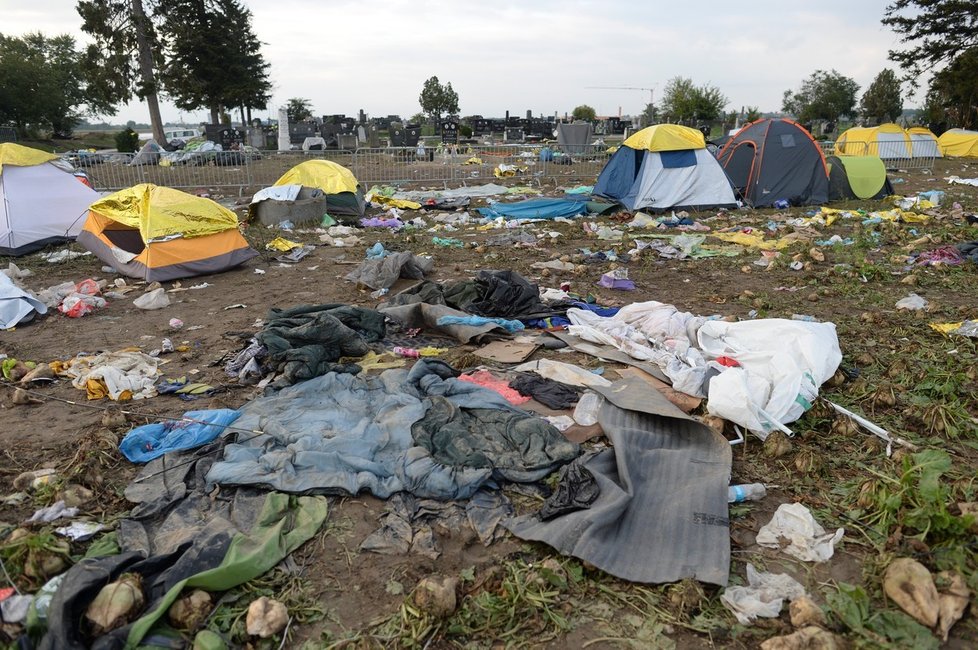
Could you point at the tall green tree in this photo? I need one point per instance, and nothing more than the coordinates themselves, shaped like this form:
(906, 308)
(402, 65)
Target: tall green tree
(125, 55)
(298, 109)
(685, 102)
(42, 84)
(882, 101)
(437, 99)
(650, 115)
(823, 96)
(953, 93)
(213, 58)
(584, 113)
(933, 32)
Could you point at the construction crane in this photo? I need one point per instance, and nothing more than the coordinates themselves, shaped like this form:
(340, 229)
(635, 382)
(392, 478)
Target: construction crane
(651, 90)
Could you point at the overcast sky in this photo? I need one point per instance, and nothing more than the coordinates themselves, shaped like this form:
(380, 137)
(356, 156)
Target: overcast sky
(540, 55)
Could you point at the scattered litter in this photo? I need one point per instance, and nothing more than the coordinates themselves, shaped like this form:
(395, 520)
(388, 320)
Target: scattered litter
(554, 265)
(476, 321)
(912, 302)
(617, 279)
(237, 305)
(79, 531)
(259, 272)
(806, 539)
(155, 299)
(506, 351)
(56, 257)
(763, 597)
(448, 242)
(176, 323)
(58, 510)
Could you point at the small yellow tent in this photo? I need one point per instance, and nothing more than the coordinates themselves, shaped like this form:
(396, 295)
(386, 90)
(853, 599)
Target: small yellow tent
(923, 143)
(330, 177)
(959, 143)
(344, 196)
(666, 137)
(159, 233)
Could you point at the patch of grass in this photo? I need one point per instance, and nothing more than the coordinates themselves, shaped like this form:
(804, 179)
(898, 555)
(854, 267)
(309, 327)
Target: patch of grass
(292, 590)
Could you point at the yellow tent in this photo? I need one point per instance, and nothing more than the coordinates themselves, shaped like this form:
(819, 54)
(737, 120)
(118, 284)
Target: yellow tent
(884, 141)
(666, 137)
(959, 143)
(159, 233)
(923, 143)
(330, 177)
(21, 156)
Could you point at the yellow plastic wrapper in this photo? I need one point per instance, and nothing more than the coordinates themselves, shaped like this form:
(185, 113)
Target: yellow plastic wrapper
(282, 245)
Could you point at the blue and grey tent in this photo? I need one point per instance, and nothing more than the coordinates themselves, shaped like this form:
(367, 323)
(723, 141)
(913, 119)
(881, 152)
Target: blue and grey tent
(664, 167)
(776, 160)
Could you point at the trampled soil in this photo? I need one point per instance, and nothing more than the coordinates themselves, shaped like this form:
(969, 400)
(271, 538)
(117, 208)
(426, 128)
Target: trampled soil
(856, 289)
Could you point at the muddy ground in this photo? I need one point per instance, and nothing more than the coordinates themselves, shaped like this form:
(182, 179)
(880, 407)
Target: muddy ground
(903, 375)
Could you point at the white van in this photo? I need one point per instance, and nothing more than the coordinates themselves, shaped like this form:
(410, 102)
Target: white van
(181, 134)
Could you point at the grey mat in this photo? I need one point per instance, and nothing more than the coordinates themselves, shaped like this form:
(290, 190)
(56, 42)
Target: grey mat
(662, 514)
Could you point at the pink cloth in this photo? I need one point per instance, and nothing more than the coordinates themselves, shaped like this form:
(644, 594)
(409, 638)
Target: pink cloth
(486, 379)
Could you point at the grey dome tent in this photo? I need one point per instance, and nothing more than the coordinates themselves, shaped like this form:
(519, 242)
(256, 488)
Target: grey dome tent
(776, 159)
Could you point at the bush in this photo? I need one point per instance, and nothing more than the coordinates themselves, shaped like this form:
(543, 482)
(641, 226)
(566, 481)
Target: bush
(465, 131)
(127, 141)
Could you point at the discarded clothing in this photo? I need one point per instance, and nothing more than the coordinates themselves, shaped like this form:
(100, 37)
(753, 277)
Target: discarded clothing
(546, 391)
(118, 375)
(378, 222)
(383, 272)
(476, 321)
(307, 341)
(945, 255)
(661, 514)
(16, 305)
(537, 208)
(968, 250)
(343, 434)
(509, 443)
(509, 295)
(58, 510)
(486, 379)
(196, 428)
(565, 373)
(576, 490)
(406, 526)
(763, 597)
(521, 238)
(428, 316)
(445, 203)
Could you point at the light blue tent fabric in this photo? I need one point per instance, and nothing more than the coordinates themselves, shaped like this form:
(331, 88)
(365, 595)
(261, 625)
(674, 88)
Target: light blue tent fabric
(538, 208)
(342, 434)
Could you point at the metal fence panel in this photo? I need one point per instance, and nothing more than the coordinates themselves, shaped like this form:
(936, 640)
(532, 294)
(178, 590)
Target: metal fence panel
(893, 154)
(447, 165)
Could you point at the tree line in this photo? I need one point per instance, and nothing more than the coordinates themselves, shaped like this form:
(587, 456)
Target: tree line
(201, 54)
(205, 54)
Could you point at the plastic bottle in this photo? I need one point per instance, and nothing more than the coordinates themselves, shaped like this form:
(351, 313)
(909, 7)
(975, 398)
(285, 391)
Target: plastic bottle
(407, 352)
(586, 411)
(746, 492)
(804, 317)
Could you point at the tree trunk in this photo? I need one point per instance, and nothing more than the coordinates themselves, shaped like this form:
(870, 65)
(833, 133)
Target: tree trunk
(244, 124)
(214, 114)
(249, 116)
(146, 70)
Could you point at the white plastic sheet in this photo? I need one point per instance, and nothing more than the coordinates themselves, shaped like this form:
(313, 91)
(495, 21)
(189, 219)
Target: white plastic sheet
(782, 364)
(807, 540)
(763, 597)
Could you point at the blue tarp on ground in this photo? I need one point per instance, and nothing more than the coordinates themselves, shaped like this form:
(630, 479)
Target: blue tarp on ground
(150, 441)
(538, 208)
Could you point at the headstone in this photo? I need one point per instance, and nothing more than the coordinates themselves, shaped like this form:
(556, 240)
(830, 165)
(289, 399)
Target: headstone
(513, 135)
(449, 132)
(396, 133)
(284, 143)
